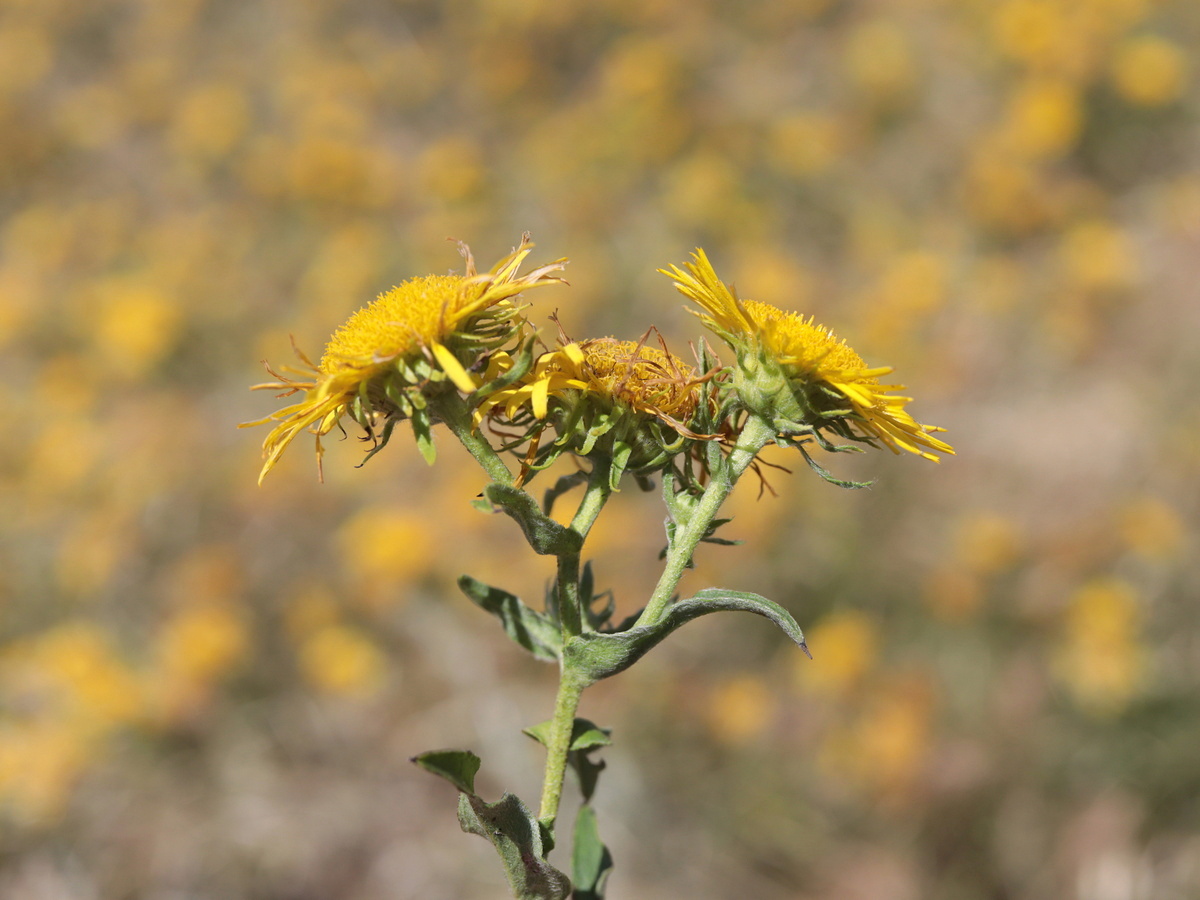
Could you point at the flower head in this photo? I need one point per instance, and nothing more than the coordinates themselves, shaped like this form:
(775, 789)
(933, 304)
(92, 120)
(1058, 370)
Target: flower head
(799, 375)
(625, 399)
(384, 362)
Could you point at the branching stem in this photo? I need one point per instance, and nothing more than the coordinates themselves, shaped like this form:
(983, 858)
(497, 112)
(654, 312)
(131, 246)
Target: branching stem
(756, 435)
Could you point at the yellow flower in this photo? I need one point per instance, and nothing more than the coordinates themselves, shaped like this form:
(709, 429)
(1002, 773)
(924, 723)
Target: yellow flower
(644, 378)
(623, 392)
(831, 384)
(387, 356)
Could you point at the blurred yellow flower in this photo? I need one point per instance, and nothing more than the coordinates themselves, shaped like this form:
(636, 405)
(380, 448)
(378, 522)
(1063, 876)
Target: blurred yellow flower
(846, 645)
(886, 748)
(1149, 71)
(209, 121)
(379, 361)
(1044, 118)
(879, 60)
(1152, 528)
(740, 710)
(339, 660)
(1098, 255)
(815, 361)
(86, 676)
(26, 54)
(40, 764)
(452, 168)
(137, 325)
(201, 643)
(387, 547)
(1099, 658)
(987, 542)
(805, 144)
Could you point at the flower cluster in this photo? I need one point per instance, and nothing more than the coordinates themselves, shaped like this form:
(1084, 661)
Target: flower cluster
(640, 407)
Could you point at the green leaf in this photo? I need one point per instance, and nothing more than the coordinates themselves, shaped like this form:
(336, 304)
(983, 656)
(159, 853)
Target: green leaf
(545, 536)
(598, 655)
(422, 431)
(622, 452)
(457, 766)
(517, 837)
(591, 863)
(529, 628)
(586, 736)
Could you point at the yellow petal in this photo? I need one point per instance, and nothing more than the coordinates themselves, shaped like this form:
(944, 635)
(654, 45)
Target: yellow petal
(453, 368)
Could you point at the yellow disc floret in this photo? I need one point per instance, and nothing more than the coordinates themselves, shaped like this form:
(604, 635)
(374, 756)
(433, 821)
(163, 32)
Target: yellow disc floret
(413, 315)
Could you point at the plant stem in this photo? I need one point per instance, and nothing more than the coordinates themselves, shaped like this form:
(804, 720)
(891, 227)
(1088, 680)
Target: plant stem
(756, 434)
(570, 687)
(571, 615)
(570, 604)
(452, 409)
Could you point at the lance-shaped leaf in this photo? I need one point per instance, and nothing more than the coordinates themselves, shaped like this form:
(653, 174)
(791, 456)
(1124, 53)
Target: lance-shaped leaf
(458, 767)
(599, 655)
(545, 536)
(529, 628)
(591, 863)
(517, 837)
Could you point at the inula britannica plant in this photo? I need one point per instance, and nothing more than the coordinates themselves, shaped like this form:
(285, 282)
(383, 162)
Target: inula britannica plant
(457, 352)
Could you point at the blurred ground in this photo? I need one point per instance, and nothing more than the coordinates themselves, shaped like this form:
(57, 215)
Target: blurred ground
(210, 690)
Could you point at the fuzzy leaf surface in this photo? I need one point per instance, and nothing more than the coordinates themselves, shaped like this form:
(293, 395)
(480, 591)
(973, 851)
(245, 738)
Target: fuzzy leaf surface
(545, 536)
(600, 655)
(591, 863)
(458, 767)
(527, 627)
(517, 837)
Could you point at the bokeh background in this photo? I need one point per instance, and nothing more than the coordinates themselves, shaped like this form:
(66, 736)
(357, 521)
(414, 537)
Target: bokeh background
(210, 689)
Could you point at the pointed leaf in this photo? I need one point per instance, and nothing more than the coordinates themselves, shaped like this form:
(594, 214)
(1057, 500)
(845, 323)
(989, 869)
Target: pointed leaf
(457, 766)
(529, 628)
(545, 536)
(422, 432)
(591, 863)
(585, 734)
(600, 655)
(517, 837)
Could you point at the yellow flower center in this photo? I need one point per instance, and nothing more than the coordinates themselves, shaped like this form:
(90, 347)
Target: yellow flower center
(418, 313)
(793, 339)
(651, 379)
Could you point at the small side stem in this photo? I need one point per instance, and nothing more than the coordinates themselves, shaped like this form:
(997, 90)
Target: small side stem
(452, 409)
(570, 687)
(570, 604)
(756, 434)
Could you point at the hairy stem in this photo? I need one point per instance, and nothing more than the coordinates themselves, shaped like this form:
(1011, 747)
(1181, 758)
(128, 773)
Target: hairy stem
(570, 604)
(570, 687)
(571, 614)
(756, 435)
(452, 409)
